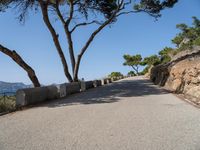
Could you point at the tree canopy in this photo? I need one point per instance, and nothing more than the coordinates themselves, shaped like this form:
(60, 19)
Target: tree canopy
(131, 73)
(151, 60)
(189, 35)
(74, 14)
(133, 61)
(115, 75)
(192, 34)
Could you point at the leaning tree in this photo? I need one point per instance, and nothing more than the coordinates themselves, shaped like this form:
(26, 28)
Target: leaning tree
(133, 61)
(74, 14)
(21, 62)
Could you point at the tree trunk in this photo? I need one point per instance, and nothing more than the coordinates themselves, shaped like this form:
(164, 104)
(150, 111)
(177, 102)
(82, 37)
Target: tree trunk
(71, 49)
(87, 44)
(17, 58)
(67, 32)
(77, 68)
(136, 70)
(44, 8)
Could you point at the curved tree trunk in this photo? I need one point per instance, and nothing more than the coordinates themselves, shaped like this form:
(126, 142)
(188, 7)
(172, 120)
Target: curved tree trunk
(17, 58)
(136, 70)
(44, 9)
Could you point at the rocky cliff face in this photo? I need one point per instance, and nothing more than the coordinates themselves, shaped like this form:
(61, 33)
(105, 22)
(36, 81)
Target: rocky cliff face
(181, 75)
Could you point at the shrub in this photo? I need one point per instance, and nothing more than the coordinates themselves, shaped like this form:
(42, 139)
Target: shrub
(115, 75)
(7, 103)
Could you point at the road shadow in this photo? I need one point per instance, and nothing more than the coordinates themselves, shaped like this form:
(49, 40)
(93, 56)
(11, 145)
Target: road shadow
(110, 93)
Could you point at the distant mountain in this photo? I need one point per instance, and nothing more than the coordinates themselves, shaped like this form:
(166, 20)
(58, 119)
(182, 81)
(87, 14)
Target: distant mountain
(6, 87)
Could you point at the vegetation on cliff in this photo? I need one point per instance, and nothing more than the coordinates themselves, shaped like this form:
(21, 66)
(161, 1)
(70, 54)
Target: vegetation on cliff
(185, 40)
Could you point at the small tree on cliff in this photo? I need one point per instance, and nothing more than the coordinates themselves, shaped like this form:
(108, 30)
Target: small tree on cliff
(74, 14)
(150, 61)
(133, 61)
(166, 54)
(189, 35)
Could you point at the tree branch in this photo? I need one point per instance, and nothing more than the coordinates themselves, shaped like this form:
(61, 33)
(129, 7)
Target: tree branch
(71, 5)
(17, 58)
(85, 24)
(138, 11)
(108, 21)
(68, 33)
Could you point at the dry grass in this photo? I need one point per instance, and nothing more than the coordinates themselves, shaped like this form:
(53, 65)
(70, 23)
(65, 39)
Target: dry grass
(7, 103)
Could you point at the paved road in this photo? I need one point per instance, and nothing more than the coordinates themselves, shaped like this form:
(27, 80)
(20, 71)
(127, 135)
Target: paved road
(131, 114)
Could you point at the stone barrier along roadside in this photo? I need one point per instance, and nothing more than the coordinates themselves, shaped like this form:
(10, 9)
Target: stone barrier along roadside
(30, 96)
(113, 79)
(89, 84)
(96, 83)
(34, 95)
(62, 90)
(103, 81)
(108, 80)
(83, 86)
(72, 88)
(69, 88)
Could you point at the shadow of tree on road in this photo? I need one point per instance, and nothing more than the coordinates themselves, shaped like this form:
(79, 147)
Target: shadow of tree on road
(110, 93)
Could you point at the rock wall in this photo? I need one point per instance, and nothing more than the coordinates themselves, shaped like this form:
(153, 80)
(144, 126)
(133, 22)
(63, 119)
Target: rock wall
(182, 75)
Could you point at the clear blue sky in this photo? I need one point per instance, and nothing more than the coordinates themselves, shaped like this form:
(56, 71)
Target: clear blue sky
(133, 34)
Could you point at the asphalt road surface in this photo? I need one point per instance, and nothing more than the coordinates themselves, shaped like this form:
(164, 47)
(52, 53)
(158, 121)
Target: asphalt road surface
(131, 114)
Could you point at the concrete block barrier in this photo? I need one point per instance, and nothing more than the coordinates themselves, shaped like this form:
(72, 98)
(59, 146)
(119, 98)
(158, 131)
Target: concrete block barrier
(72, 88)
(103, 81)
(34, 95)
(108, 80)
(53, 92)
(89, 84)
(30, 96)
(83, 86)
(62, 90)
(96, 83)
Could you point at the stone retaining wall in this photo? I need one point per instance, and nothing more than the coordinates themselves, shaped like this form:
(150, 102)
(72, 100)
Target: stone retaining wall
(181, 75)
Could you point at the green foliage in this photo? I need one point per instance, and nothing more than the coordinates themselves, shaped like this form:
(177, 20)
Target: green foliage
(7, 103)
(75, 13)
(182, 27)
(133, 61)
(177, 40)
(145, 70)
(188, 36)
(166, 51)
(196, 41)
(151, 60)
(186, 39)
(153, 7)
(131, 73)
(166, 54)
(115, 75)
(165, 59)
(106, 8)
